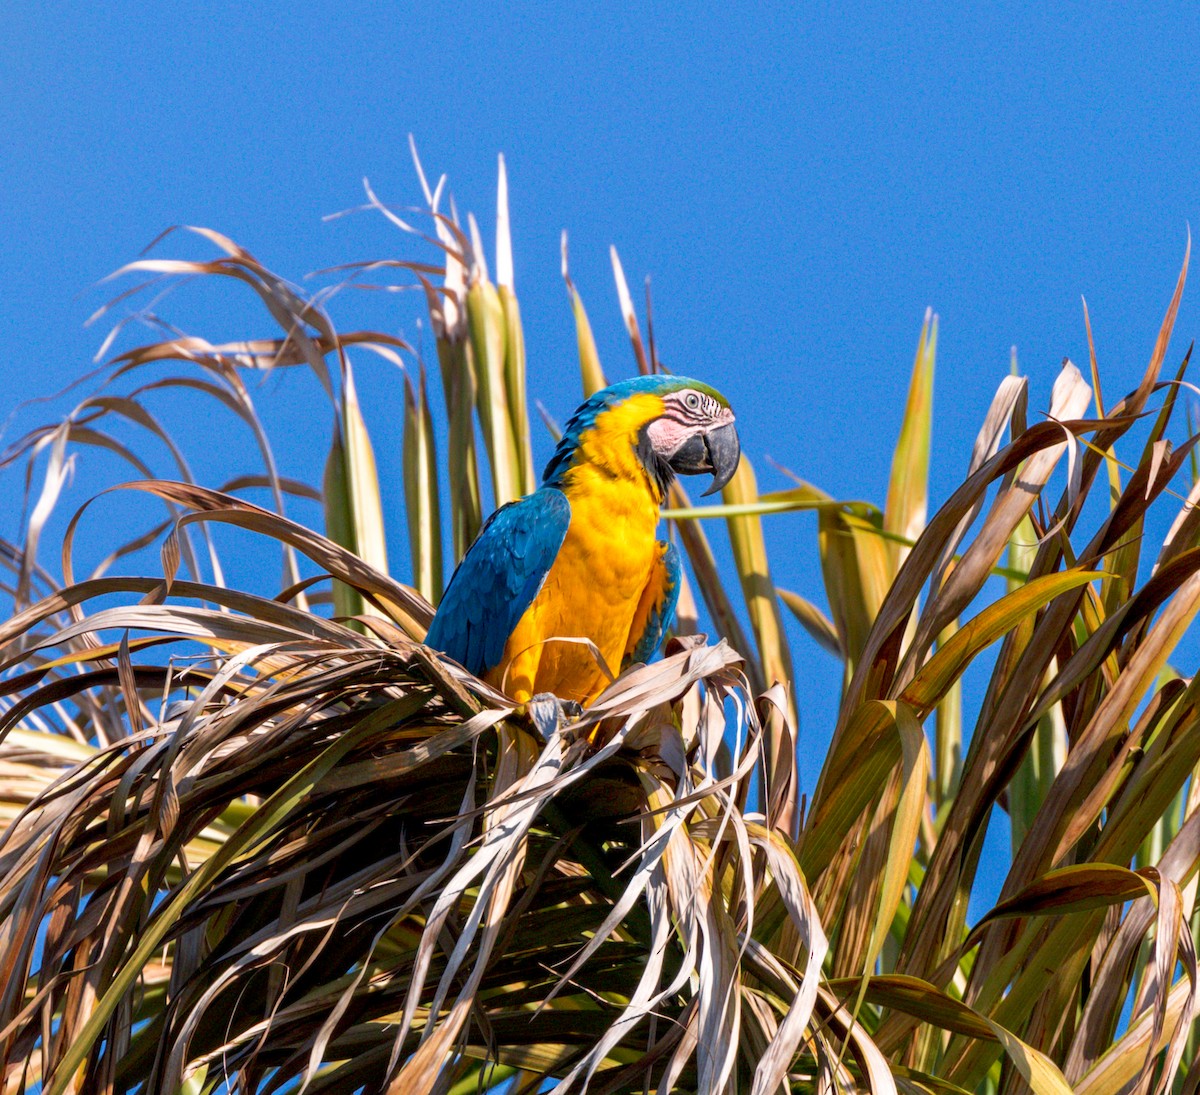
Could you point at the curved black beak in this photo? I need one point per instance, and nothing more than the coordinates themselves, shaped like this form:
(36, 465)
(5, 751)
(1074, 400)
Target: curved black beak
(724, 452)
(718, 451)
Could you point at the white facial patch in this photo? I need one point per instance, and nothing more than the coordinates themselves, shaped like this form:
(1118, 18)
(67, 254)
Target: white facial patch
(667, 434)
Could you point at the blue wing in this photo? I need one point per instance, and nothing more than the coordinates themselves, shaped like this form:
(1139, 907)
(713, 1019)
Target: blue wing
(498, 579)
(658, 606)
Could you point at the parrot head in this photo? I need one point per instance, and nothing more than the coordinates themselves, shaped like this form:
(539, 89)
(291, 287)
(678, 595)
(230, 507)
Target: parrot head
(676, 425)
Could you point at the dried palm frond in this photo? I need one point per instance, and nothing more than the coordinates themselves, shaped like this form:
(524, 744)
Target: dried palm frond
(338, 841)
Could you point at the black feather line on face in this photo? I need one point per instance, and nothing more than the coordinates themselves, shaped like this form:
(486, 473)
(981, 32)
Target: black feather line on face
(662, 475)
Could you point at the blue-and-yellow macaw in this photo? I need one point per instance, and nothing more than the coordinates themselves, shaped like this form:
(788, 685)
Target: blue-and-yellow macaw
(576, 562)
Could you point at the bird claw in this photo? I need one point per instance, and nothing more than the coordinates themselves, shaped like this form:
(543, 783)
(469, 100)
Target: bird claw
(549, 713)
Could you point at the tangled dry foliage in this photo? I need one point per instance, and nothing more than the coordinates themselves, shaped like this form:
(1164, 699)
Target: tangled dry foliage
(252, 847)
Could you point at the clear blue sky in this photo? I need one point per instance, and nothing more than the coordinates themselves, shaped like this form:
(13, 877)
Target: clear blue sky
(800, 181)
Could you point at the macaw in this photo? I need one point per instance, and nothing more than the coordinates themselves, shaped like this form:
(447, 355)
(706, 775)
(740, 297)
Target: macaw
(574, 570)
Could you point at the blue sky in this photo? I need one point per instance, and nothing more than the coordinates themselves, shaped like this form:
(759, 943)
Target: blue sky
(801, 182)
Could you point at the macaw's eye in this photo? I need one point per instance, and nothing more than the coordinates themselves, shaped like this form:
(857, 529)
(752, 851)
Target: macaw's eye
(691, 401)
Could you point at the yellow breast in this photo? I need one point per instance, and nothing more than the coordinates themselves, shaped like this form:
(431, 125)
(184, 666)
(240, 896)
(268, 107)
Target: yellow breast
(582, 616)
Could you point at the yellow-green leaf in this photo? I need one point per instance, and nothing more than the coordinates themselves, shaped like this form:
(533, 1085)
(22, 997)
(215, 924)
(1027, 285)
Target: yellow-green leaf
(907, 498)
(754, 573)
(813, 620)
(365, 505)
(458, 381)
(1041, 1073)
(589, 358)
(339, 518)
(906, 825)
(953, 657)
(422, 503)
(1076, 888)
(485, 317)
(514, 339)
